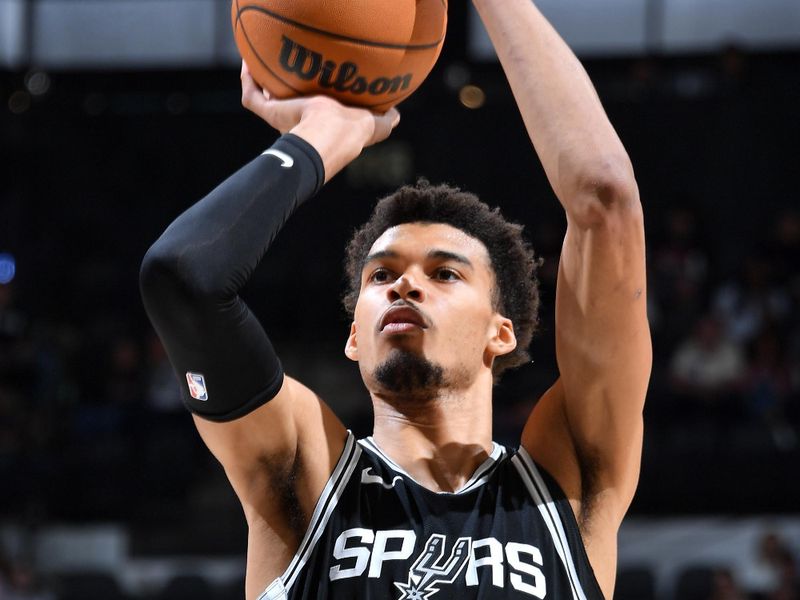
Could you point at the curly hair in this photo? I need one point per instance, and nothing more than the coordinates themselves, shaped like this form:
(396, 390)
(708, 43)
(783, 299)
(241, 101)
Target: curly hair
(516, 291)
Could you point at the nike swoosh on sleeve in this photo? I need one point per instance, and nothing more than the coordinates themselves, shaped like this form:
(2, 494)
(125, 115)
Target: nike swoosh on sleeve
(286, 161)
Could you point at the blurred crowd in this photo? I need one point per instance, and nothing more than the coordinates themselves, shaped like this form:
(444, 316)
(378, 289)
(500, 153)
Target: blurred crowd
(727, 348)
(774, 576)
(89, 416)
(19, 581)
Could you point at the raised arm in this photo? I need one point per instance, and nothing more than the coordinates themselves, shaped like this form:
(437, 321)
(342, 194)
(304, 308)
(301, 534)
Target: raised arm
(275, 438)
(587, 429)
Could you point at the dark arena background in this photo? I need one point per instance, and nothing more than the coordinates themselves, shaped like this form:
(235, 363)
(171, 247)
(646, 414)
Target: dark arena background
(116, 116)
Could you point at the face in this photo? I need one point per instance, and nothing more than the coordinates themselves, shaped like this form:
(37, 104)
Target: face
(424, 319)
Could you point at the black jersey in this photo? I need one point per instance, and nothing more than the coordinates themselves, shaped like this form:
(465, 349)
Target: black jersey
(377, 534)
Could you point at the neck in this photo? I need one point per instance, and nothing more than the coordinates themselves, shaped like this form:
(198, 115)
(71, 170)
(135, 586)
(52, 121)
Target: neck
(441, 441)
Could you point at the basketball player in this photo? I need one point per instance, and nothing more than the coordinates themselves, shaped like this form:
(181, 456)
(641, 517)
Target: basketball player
(444, 299)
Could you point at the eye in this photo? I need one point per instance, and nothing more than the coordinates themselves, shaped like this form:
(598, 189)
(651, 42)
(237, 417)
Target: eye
(380, 275)
(446, 274)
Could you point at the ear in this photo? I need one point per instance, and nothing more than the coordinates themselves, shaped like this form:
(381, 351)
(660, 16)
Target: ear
(502, 339)
(351, 346)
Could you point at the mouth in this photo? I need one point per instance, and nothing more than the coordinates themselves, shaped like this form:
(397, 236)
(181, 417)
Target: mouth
(402, 319)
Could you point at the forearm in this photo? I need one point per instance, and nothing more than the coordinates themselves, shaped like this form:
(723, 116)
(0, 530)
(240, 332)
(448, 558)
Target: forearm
(570, 131)
(191, 277)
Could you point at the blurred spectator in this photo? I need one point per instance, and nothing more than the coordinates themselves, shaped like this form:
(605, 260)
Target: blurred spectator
(113, 393)
(27, 585)
(20, 582)
(766, 388)
(5, 575)
(643, 79)
(124, 386)
(753, 302)
(784, 247)
(707, 366)
(725, 587)
(784, 256)
(775, 575)
(734, 69)
(678, 273)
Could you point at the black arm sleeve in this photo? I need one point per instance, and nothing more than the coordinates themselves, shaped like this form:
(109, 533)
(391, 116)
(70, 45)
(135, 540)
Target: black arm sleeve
(191, 276)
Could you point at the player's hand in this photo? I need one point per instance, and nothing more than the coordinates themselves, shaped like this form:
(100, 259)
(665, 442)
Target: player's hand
(338, 132)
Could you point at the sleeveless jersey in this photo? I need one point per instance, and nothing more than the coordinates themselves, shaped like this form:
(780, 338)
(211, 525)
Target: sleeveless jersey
(377, 534)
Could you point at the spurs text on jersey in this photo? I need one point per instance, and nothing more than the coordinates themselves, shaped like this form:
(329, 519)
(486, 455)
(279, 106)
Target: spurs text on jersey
(426, 567)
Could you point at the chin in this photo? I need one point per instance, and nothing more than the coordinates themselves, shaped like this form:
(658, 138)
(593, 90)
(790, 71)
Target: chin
(408, 373)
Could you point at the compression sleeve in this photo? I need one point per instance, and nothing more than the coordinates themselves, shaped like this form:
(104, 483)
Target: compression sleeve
(190, 280)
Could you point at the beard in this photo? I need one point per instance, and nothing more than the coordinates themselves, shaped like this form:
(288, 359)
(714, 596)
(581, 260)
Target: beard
(410, 376)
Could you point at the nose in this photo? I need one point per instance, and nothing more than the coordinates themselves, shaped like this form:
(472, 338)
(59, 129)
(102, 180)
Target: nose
(406, 287)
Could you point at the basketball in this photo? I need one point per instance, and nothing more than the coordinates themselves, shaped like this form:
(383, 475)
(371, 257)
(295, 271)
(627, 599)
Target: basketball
(370, 53)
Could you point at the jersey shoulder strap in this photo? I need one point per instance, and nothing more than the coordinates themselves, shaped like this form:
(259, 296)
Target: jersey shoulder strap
(557, 515)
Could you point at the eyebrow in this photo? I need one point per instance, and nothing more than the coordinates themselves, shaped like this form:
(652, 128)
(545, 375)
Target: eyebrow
(446, 255)
(434, 254)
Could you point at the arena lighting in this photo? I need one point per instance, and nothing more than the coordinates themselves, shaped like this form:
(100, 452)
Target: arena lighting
(471, 96)
(37, 82)
(19, 102)
(8, 268)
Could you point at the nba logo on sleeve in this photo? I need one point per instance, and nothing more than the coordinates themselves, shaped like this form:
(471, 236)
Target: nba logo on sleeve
(197, 386)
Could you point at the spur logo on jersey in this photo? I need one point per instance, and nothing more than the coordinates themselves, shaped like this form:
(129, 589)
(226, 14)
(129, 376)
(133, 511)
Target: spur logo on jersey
(304, 63)
(359, 552)
(428, 572)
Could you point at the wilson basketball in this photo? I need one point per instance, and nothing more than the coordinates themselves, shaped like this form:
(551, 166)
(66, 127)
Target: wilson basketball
(370, 53)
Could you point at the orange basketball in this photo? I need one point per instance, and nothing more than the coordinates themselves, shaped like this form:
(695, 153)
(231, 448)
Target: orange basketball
(371, 53)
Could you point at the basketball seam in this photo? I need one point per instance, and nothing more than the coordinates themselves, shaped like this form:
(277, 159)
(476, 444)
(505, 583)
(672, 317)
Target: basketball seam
(337, 36)
(257, 55)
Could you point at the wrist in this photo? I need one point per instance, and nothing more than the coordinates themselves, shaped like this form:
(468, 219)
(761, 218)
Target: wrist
(294, 151)
(336, 146)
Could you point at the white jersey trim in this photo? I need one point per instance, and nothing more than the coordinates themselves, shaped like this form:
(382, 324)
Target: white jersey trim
(544, 502)
(275, 591)
(328, 500)
(479, 477)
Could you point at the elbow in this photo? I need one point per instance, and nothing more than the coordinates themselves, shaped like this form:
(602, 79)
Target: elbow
(158, 273)
(165, 279)
(180, 274)
(606, 193)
